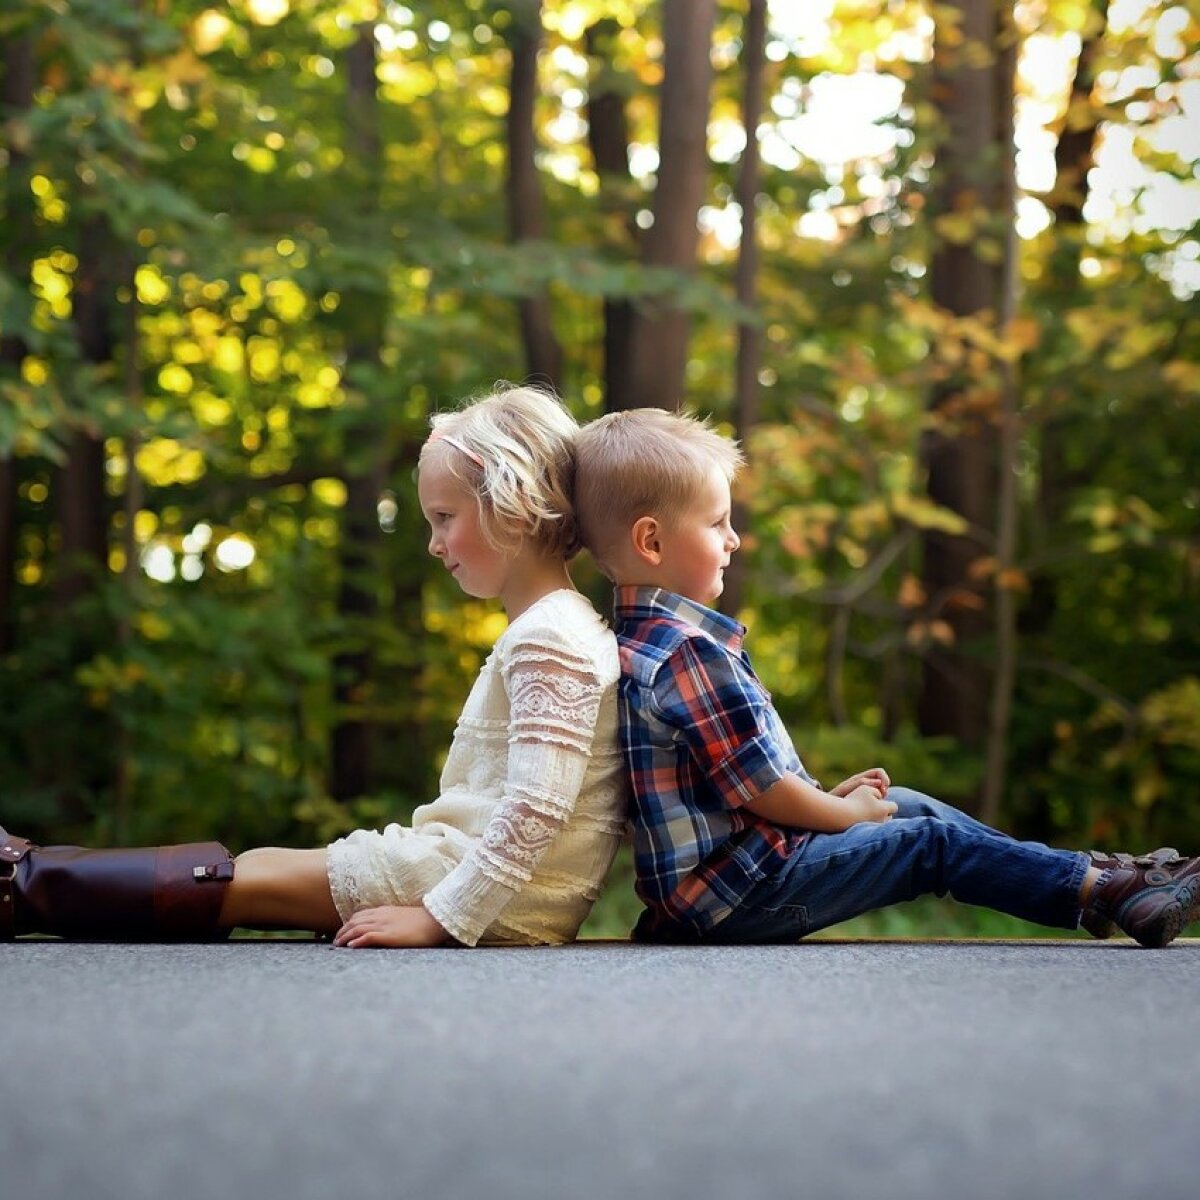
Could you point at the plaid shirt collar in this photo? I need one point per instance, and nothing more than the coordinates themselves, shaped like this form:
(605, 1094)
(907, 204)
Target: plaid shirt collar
(634, 602)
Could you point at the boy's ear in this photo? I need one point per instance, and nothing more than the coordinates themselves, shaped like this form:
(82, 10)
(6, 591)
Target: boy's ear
(645, 536)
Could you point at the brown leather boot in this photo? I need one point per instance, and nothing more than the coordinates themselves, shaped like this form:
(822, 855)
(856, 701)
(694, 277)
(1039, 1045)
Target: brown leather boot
(1101, 927)
(1150, 899)
(151, 894)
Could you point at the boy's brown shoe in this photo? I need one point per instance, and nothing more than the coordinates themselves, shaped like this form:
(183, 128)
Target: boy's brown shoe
(1151, 899)
(1101, 927)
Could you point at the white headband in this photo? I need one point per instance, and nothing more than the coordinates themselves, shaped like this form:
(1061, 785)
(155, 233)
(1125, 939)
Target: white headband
(462, 448)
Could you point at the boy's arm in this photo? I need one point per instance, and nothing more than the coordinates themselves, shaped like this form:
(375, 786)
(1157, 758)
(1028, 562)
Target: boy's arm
(794, 801)
(722, 722)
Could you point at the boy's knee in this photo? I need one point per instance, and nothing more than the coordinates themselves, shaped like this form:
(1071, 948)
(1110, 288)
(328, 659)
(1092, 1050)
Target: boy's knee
(910, 803)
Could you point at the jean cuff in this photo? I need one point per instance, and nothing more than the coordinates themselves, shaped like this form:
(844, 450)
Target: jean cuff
(1075, 883)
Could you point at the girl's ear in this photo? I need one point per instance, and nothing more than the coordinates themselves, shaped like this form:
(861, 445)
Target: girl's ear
(646, 538)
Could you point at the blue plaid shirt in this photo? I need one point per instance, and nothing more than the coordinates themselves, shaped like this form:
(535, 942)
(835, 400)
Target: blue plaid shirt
(701, 739)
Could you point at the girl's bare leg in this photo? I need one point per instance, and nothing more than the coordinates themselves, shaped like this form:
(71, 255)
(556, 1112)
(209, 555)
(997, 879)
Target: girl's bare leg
(274, 888)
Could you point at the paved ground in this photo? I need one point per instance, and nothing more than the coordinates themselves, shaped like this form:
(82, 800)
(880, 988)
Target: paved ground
(930, 1071)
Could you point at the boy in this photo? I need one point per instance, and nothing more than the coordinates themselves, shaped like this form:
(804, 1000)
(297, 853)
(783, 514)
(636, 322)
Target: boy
(734, 841)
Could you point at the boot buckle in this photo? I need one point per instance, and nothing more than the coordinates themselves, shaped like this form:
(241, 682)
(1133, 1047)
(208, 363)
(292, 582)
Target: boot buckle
(216, 873)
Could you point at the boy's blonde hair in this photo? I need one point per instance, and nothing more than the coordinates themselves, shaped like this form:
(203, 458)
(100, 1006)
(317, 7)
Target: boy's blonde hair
(514, 448)
(644, 462)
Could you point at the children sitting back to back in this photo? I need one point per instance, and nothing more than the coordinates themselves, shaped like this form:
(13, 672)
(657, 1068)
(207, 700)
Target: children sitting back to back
(734, 841)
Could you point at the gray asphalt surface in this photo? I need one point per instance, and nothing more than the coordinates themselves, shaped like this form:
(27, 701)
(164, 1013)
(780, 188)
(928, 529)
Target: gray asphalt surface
(290, 1069)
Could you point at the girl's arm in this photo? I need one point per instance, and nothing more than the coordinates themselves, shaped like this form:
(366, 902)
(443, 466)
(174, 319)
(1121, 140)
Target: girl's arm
(554, 696)
(391, 925)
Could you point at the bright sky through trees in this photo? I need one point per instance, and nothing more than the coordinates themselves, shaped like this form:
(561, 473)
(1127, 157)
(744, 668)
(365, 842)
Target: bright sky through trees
(845, 119)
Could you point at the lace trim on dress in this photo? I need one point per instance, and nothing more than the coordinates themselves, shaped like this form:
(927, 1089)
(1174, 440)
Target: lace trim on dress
(513, 842)
(343, 882)
(554, 703)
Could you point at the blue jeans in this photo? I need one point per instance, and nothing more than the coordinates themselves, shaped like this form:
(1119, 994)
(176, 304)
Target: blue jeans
(926, 847)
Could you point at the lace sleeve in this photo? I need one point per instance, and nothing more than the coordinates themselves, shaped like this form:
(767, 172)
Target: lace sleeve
(554, 699)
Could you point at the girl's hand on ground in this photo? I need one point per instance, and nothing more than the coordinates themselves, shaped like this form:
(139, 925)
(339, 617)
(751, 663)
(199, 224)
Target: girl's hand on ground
(866, 803)
(875, 777)
(391, 925)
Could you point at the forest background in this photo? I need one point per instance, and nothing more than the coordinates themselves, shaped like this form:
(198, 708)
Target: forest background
(944, 294)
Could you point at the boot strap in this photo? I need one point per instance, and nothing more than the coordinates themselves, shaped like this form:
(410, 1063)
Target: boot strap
(12, 850)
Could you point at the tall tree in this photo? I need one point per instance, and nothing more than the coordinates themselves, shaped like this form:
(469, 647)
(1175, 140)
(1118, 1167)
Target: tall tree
(1009, 434)
(1073, 158)
(608, 138)
(17, 98)
(362, 318)
(960, 448)
(659, 343)
(749, 349)
(82, 505)
(526, 215)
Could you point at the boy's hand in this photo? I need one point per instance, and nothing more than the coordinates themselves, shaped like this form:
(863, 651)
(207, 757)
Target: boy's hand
(876, 777)
(866, 803)
(391, 925)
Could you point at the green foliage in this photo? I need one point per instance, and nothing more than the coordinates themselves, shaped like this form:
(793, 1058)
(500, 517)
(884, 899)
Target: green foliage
(192, 166)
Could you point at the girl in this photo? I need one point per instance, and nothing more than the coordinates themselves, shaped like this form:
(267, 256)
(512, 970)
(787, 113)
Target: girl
(532, 800)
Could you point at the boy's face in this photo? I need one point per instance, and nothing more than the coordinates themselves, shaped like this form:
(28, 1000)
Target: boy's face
(696, 546)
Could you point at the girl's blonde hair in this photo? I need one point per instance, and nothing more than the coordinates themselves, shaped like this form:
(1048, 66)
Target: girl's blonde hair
(644, 462)
(514, 448)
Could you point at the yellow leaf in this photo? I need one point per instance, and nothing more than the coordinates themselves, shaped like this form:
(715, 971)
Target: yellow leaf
(152, 627)
(942, 632)
(912, 593)
(175, 378)
(1183, 375)
(184, 68)
(956, 228)
(1147, 788)
(924, 514)
(152, 288)
(916, 633)
(961, 598)
(331, 492)
(982, 567)
(209, 30)
(978, 55)
(1019, 338)
(1013, 580)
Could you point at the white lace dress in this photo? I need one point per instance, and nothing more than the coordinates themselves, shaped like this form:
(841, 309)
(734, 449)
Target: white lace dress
(532, 804)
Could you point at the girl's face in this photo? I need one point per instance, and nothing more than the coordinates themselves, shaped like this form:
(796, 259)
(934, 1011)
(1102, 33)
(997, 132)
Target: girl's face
(456, 535)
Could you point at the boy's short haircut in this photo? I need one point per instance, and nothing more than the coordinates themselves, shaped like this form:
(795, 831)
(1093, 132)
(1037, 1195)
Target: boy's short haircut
(514, 448)
(643, 462)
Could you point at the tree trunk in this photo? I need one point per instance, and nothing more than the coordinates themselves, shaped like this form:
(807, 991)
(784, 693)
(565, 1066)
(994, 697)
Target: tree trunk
(82, 765)
(8, 551)
(608, 137)
(362, 315)
(1073, 158)
(658, 354)
(960, 451)
(1000, 713)
(17, 97)
(526, 218)
(82, 504)
(746, 393)
(123, 781)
